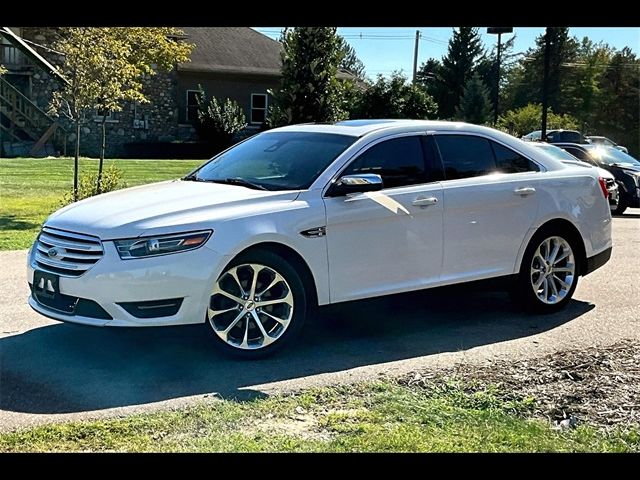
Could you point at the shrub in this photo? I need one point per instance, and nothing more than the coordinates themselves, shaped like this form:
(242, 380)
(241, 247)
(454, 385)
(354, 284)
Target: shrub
(87, 184)
(218, 122)
(529, 118)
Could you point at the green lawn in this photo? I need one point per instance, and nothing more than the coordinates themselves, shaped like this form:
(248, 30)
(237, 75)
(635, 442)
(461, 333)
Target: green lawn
(374, 417)
(32, 188)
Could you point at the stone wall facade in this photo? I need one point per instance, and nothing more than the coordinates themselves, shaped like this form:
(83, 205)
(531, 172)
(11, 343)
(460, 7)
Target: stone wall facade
(155, 121)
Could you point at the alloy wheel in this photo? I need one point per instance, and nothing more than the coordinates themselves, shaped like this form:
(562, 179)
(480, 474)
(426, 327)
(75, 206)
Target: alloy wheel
(553, 270)
(251, 306)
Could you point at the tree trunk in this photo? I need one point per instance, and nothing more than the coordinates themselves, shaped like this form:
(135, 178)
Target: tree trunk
(102, 150)
(75, 162)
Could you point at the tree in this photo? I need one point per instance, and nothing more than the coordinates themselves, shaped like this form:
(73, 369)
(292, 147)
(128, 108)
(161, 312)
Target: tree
(130, 55)
(617, 113)
(106, 67)
(350, 60)
(529, 118)
(395, 97)
(488, 71)
(524, 83)
(309, 90)
(456, 68)
(82, 49)
(475, 105)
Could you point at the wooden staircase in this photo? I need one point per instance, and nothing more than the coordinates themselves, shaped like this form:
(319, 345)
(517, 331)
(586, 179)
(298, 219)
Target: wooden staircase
(23, 123)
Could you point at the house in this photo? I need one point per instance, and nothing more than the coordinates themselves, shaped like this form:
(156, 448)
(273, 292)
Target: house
(231, 62)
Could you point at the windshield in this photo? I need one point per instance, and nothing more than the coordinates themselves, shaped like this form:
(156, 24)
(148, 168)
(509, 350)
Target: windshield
(558, 153)
(275, 160)
(610, 156)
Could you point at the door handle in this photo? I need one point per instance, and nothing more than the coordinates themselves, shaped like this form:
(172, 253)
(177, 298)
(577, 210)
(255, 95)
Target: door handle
(524, 191)
(425, 201)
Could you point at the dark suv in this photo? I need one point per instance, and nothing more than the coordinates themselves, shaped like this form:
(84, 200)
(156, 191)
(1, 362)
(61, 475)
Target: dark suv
(624, 167)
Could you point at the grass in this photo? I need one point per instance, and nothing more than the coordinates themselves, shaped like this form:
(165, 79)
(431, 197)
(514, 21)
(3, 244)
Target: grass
(32, 188)
(373, 417)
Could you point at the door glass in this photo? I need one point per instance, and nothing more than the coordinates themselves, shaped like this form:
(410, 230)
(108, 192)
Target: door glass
(398, 161)
(465, 156)
(509, 161)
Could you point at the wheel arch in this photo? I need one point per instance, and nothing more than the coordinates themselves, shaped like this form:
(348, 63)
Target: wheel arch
(555, 225)
(294, 258)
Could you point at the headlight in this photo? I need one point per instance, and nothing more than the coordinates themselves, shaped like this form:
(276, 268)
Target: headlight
(161, 245)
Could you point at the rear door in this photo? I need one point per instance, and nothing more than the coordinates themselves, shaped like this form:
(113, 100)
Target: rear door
(490, 203)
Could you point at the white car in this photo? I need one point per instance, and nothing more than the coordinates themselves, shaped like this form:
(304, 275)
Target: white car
(309, 215)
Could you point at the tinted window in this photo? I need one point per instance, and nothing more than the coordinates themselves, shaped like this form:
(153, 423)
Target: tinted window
(277, 160)
(509, 161)
(399, 162)
(576, 152)
(465, 156)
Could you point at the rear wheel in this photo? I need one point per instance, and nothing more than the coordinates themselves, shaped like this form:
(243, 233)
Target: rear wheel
(549, 272)
(257, 305)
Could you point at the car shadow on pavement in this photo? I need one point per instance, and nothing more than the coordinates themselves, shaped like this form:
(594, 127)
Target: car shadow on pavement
(66, 368)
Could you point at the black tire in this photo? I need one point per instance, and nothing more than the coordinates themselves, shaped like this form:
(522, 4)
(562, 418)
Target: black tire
(622, 206)
(523, 293)
(300, 305)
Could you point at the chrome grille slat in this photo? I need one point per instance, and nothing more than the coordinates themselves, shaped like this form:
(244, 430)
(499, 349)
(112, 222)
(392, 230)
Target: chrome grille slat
(72, 235)
(68, 254)
(56, 242)
(76, 252)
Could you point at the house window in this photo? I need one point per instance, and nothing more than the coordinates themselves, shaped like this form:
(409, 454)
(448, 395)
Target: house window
(258, 108)
(110, 116)
(192, 106)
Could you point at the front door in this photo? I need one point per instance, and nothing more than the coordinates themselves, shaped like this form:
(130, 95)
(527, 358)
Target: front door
(387, 241)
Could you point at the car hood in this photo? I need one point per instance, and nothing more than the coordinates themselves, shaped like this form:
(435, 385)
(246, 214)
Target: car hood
(163, 207)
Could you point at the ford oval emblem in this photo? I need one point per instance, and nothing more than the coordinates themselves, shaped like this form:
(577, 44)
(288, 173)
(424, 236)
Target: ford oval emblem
(53, 253)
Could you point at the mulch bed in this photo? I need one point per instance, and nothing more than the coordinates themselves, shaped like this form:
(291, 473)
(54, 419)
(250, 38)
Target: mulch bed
(599, 386)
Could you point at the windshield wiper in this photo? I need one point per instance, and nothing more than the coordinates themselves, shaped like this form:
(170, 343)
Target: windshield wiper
(192, 178)
(240, 182)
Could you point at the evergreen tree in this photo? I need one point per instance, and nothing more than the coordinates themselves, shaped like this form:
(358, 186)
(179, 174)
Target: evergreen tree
(465, 49)
(488, 71)
(475, 105)
(309, 91)
(350, 60)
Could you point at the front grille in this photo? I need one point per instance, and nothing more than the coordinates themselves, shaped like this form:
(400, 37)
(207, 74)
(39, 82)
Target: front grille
(66, 253)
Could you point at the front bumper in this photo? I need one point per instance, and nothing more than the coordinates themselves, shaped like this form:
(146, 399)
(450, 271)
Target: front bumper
(113, 281)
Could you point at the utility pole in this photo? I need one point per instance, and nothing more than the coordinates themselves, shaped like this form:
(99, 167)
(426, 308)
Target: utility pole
(415, 56)
(496, 97)
(545, 84)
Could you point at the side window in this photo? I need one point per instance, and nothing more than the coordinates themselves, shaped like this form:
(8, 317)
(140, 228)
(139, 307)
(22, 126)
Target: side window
(465, 156)
(509, 161)
(579, 154)
(398, 161)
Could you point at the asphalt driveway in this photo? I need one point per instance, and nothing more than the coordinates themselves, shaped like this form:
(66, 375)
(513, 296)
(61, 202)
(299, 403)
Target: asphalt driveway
(51, 371)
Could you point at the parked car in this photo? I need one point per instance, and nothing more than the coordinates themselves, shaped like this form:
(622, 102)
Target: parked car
(624, 167)
(307, 215)
(604, 141)
(566, 157)
(555, 136)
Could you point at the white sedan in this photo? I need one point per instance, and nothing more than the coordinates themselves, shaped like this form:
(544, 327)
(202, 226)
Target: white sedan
(307, 215)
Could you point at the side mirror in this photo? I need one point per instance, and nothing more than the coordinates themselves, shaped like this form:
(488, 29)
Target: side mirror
(367, 182)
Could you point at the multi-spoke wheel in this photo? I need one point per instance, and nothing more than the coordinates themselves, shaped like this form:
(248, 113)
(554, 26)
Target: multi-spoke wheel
(256, 304)
(549, 272)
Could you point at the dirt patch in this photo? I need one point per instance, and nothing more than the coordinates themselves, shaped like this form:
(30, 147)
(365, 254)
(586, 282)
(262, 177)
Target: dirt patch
(304, 426)
(598, 386)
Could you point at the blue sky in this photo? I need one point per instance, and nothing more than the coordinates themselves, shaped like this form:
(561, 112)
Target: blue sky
(391, 48)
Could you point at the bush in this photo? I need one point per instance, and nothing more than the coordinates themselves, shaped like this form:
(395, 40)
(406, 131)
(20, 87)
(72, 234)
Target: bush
(87, 184)
(219, 122)
(394, 97)
(529, 118)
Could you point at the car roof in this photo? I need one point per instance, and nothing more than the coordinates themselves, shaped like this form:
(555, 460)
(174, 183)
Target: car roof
(359, 128)
(585, 146)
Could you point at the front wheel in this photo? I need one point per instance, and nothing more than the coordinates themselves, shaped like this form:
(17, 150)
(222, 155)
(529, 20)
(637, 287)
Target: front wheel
(621, 207)
(258, 304)
(549, 272)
